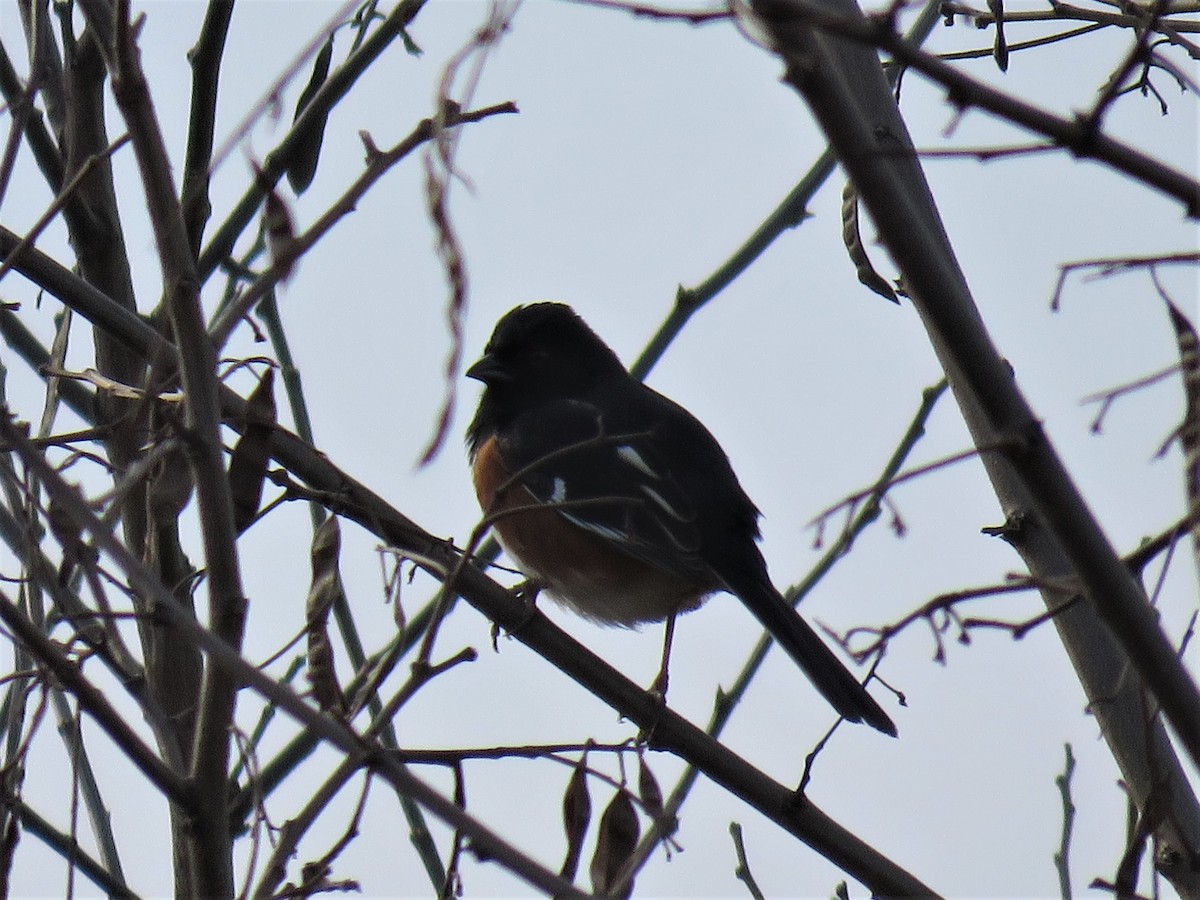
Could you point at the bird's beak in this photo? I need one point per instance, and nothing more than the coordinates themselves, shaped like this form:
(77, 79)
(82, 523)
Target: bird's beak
(487, 370)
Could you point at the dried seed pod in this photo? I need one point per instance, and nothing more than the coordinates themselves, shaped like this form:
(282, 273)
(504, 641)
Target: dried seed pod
(648, 790)
(170, 486)
(615, 845)
(248, 463)
(577, 816)
(852, 239)
(326, 589)
(303, 165)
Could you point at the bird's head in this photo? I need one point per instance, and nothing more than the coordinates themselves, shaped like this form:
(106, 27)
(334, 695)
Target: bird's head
(541, 352)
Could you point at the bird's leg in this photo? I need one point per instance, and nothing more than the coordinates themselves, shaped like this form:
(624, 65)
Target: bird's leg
(526, 593)
(659, 685)
(658, 688)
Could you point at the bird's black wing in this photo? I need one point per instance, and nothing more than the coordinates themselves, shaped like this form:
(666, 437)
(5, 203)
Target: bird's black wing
(608, 478)
(727, 521)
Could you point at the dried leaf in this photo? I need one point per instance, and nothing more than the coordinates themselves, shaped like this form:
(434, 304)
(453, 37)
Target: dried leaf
(852, 238)
(648, 791)
(325, 591)
(322, 673)
(1000, 47)
(307, 147)
(326, 573)
(170, 486)
(615, 844)
(248, 463)
(1189, 430)
(75, 550)
(281, 234)
(577, 815)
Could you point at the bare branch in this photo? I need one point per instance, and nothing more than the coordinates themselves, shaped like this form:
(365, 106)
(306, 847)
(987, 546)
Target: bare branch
(277, 161)
(212, 873)
(92, 699)
(238, 671)
(205, 59)
(378, 164)
(1115, 265)
(1080, 136)
(823, 69)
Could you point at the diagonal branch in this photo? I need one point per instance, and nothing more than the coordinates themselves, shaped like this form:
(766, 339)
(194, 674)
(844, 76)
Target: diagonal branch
(45, 149)
(69, 675)
(349, 497)
(1115, 640)
(221, 656)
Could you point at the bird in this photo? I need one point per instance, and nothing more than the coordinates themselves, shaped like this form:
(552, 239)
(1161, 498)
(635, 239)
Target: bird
(619, 503)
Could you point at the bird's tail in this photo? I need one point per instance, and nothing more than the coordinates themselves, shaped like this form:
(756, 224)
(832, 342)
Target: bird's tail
(823, 668)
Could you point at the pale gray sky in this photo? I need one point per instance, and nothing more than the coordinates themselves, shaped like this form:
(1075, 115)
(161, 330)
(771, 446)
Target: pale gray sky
(645, 152)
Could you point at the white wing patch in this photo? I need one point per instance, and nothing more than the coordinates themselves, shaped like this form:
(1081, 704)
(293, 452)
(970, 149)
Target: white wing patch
(612, 534)
(635, 459)
(559, 493)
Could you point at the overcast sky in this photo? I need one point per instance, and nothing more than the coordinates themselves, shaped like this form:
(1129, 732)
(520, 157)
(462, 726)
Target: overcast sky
(644, 153)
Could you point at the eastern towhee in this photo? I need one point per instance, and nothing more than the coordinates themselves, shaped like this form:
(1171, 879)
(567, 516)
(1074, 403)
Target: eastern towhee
(615, 500)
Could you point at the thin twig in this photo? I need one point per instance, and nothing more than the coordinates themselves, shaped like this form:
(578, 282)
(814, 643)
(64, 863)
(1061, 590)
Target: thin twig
(92, 699)
(205, 59)
(1043, 41)
(224, 657)
(298, 825)
(742, 871)
(64, 196)
(944, 604)
(1107, 266)
(277, 161)
(1062, 856)
(378, 163)
(1070, 133)
(270, 97)
(850, 502)
(1109, 396)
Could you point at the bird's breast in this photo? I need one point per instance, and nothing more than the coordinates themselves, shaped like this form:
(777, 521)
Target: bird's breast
(576, 567)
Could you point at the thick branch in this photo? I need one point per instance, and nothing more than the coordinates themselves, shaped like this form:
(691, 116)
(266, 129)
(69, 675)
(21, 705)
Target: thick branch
(1051, 525)
(223, 657)
(212, 863)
